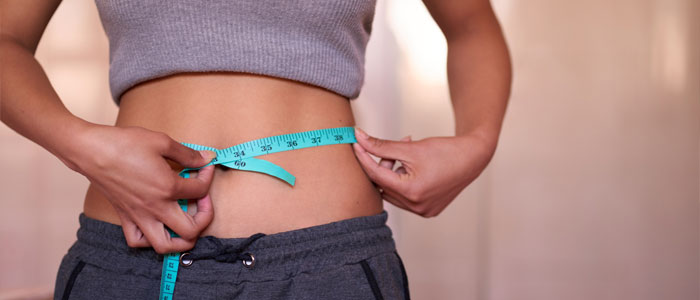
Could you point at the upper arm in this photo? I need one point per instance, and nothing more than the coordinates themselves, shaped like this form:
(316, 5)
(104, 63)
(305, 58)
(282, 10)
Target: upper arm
(24, 21)
(456, 17)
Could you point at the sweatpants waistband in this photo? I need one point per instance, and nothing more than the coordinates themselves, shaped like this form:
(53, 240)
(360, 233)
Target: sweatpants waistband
(277, 256)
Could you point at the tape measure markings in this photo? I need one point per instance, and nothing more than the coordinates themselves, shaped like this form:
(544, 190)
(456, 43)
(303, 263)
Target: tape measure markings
(236, 157)
(238, 152)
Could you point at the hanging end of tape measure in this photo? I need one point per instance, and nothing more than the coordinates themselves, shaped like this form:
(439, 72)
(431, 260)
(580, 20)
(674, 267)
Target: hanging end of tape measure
(286, 177)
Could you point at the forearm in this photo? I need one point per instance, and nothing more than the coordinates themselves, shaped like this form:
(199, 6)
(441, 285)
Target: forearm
(479, 78)
(30, 106)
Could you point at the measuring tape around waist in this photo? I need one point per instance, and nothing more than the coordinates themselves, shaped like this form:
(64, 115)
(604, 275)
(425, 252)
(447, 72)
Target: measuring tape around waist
(242, 157)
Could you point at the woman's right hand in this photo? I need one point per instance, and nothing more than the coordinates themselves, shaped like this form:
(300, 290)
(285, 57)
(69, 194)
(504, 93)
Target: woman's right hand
(128, 165)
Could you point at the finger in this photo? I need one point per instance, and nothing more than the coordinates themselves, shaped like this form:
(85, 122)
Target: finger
(178, 220)
(402, 202)
(190, 226)
(194, 187)
(380, 147)
(161, 240)
(389, 163)
(186, 156)
(381, 176)
(391, 198)
(205, 213)
(133, 235)
(401, 170)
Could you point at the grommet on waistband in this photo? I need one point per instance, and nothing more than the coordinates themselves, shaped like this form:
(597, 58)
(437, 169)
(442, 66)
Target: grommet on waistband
(184, 261)
(250, 262)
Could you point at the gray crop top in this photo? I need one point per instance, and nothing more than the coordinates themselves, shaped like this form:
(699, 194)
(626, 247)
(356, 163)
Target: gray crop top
(319, 42)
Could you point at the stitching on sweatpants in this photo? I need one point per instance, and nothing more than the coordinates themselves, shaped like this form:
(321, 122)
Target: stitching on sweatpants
(372, 281)
(71, 279)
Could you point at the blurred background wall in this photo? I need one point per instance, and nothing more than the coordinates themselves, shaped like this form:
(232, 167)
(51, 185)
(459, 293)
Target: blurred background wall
(594, 191)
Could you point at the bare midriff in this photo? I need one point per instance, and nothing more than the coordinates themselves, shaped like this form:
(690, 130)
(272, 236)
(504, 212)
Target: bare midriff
(222, 109)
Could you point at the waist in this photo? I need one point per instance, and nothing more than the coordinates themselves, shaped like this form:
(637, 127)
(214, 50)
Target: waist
(220, 110)
(337, 243)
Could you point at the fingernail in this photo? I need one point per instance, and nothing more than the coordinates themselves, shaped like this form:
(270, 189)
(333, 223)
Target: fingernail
(361, 133)
(208, 155)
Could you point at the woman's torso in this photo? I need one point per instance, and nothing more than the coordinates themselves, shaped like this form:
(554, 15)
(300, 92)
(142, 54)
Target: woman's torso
(222, 109)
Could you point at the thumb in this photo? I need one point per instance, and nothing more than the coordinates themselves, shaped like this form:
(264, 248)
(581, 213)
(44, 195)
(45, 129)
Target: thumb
(381, 147)
(207, 156)
(188, 157)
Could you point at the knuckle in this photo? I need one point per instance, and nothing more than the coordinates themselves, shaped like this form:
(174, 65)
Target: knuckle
(189, 234)
(160, 247)
(131, 242)
(168, 188)
(170, 193)
(413, 194)
(163, 140)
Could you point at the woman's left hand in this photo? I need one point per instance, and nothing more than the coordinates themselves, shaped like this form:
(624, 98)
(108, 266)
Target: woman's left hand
(433, 170)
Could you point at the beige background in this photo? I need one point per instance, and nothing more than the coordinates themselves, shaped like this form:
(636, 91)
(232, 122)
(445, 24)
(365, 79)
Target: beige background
(594, 191)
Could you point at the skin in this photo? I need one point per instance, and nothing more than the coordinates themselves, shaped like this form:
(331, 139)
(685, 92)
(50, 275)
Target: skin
(335, 182)
(479, 79)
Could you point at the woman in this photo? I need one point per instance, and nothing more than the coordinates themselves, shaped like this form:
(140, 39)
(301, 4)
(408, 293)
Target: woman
(220, 73)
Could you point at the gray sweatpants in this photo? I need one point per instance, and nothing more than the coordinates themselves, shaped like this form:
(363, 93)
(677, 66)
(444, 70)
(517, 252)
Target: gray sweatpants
(349, 259)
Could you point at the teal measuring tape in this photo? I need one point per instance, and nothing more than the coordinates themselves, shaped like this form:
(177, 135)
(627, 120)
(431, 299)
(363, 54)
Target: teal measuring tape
(242, 157)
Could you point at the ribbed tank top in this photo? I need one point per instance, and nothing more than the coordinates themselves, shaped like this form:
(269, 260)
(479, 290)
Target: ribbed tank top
(319, 42)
